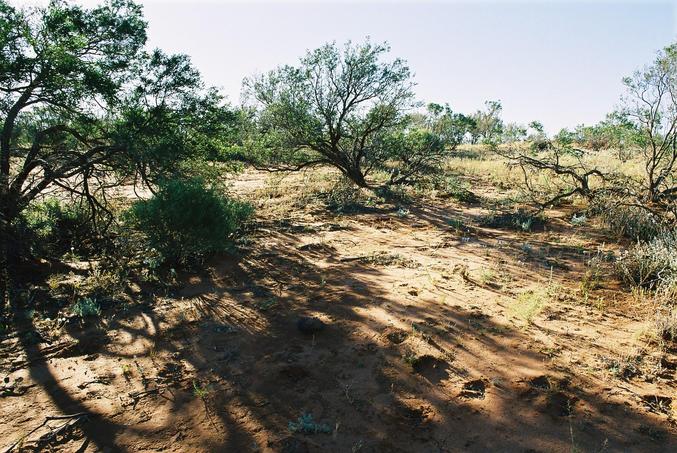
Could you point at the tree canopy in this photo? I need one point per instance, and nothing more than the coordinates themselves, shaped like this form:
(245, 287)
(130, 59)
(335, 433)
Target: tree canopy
(330, 109)
(85, 105)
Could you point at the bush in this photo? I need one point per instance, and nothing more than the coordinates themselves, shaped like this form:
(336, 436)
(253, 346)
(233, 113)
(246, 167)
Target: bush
(344, 196)
(86, 308)
(449, 186)
(652, 264)
(519, 220)
(632, 222)
(52, 227)
(187, 220)
(666, 324)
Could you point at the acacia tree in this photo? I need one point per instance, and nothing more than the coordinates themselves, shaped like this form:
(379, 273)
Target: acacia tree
(451, 127)
(651, 102)
(85, 106)
(333, 108)
(488, 123)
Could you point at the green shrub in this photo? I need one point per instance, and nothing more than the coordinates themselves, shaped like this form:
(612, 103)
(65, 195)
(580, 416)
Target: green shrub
(52, 227)
(306, 425)
(344, 197)
(187, 220)
(86, 307)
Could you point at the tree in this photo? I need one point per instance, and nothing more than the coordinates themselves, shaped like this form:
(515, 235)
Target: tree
(513, 132)
(416, 151)
(332, 108)
(569, 174)
(85, 106)
(651, 103)
(451, 127)
(488, 123)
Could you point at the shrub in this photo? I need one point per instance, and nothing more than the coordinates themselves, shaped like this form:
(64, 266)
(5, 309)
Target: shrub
(344, 196)
(632, 222)
(187, 220)
(449, 186)
(306, 425)
(520, 220)
(652, 264)
(52, 227)
(86, 308)
(666, 324)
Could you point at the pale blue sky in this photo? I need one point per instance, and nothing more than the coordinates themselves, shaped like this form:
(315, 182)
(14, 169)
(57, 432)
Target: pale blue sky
(557, 62)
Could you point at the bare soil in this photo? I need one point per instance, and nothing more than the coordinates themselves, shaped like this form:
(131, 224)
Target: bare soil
(425, 347)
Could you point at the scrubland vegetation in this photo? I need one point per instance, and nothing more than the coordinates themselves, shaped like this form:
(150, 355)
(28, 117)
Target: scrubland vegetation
(330, 266)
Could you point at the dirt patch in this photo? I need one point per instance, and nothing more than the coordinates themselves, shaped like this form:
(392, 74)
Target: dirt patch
(431, 368)
(395, 336)
(559, 404)
(227, 369)
(475, 389)
(658, 403)
(293, 373)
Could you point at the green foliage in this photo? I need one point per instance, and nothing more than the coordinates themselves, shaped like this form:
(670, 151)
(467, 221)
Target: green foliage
(650, 106)
(187, 220)
(488, 125)
(86, 307)
(52, 227)
(532, 302)
(513, 132)
(449, 126)
(306, 425)
(529, 304)
(450, 186)
(330, 108)
(344, 197)
(408, 153)
(84, 107)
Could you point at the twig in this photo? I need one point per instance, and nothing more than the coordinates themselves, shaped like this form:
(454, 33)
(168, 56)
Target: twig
(72, 419)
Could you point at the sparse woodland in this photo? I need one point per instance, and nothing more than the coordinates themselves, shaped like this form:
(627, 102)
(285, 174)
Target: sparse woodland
(331, 265)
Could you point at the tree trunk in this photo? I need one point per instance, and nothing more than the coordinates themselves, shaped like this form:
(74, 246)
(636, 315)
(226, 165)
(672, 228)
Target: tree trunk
(354, 173)
(5, 227)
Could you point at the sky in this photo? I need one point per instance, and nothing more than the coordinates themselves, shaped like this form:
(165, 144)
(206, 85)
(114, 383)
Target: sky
(560, 63)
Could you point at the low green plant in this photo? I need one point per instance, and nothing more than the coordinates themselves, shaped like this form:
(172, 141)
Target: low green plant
(344, 197)
(579, 220)
(487, 276)
(449, 186)
(623, 366)
(457, 225)
(383, 258)
(531, 303)
(86, 307)
(187, 220)
(306, 425)
(53, 228)
(201, 391)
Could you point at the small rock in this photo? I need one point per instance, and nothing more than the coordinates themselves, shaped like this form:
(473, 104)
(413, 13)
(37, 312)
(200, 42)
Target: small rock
(309, 324)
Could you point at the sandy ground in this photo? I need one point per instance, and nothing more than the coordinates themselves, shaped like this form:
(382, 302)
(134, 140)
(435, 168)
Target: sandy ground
(428, 347)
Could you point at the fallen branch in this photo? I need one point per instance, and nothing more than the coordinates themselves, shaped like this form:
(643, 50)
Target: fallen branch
(72, 419)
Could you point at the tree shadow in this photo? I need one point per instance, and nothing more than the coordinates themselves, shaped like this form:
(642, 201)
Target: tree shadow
(224, 368)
